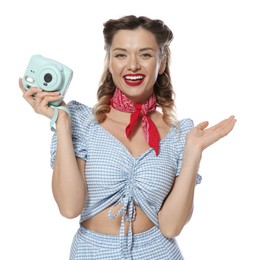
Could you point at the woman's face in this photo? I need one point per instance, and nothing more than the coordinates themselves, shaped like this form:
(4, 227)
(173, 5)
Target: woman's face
(135, 63)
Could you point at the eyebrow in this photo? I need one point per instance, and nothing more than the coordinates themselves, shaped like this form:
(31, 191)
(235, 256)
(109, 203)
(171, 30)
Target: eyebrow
(143, 49)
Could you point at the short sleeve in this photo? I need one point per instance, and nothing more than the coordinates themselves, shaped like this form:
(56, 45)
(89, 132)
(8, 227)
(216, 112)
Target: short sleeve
(81, 116)
(185, 126)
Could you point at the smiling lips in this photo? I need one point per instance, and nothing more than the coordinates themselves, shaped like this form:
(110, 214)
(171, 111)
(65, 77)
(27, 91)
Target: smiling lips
(134, 80)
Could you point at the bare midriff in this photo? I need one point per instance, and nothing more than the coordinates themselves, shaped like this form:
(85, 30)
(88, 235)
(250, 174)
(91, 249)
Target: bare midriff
(101, 224)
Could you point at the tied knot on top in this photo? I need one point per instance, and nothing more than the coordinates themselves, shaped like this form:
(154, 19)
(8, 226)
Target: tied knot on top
(128, 213)
(122, 103)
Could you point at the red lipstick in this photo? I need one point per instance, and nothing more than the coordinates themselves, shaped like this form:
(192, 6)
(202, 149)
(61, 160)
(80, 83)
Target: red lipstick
(134, 80)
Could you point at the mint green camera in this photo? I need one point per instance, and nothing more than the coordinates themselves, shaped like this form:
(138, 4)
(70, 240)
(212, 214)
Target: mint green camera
(47, 74)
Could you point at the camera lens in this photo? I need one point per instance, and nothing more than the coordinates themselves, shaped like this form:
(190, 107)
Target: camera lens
(48, 77)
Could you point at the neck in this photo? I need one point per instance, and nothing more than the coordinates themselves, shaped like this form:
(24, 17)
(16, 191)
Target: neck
(119, 116)
(139, 100)
(121, 102)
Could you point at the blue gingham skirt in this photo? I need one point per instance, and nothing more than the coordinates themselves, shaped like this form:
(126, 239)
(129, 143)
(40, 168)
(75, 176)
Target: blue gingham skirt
(148, 245)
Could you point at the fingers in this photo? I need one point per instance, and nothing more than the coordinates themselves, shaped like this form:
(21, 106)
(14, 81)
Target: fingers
(30, 94)
(37, 94)
(39, 99)
(21, 86)
(202, 125)
(221, 129)
(225, 126)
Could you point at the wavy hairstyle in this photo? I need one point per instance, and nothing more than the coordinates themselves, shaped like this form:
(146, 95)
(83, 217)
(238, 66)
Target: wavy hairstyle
(162, 88)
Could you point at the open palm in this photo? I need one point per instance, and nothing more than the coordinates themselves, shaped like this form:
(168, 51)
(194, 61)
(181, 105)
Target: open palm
(202, 137)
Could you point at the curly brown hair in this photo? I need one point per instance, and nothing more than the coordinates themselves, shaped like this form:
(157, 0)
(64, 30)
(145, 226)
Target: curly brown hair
(162, 88)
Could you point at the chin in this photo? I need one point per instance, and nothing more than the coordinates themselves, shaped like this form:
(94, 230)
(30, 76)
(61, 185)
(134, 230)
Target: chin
(136, 94)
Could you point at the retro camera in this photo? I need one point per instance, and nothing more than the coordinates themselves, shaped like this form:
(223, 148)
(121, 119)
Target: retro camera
(47, 74)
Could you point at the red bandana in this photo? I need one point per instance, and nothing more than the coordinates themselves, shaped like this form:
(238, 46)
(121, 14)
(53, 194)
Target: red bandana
(120, 102)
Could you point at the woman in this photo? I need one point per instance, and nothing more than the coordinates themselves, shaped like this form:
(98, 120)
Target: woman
(127, 168)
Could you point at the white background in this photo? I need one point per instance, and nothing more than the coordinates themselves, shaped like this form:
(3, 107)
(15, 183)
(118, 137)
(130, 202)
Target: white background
(212, 73)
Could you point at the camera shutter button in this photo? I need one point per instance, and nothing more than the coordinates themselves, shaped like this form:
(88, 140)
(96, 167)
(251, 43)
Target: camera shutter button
(60, 68)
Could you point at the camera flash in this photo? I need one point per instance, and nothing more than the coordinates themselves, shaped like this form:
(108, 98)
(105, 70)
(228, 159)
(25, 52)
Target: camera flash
(29, 79)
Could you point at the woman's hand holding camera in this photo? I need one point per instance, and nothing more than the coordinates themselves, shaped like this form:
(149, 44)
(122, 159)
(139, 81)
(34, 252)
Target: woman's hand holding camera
(39, 99)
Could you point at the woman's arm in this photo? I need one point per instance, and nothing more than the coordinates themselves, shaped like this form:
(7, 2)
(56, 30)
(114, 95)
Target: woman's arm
(68, 183)
(177, 208)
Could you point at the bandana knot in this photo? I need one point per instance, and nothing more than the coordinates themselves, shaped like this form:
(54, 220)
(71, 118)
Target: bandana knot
(120, 102)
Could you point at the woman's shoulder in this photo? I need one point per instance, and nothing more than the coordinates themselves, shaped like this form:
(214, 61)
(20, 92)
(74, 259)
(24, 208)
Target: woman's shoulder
(185, 124)
(79, 109)
(181, 128)
(82, 119)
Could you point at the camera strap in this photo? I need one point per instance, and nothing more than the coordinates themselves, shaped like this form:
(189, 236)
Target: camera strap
(55, 116)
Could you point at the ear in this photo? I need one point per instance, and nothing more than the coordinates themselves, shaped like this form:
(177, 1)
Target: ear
(163, 64)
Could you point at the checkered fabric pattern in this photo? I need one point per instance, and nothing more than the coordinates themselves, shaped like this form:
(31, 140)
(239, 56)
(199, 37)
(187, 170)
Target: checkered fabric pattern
(149, 245)
(115, 177)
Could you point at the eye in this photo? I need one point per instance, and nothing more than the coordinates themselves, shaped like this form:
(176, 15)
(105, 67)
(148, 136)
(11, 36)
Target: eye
(146, 55)
(120, 55)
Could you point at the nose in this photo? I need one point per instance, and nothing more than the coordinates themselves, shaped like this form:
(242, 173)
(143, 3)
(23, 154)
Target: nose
(133, 64)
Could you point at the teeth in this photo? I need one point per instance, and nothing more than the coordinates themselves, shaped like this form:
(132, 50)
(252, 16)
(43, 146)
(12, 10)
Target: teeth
(134, 77)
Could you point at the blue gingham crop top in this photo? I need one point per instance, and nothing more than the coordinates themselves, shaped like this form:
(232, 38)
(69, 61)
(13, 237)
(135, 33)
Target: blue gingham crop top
(115, 177)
